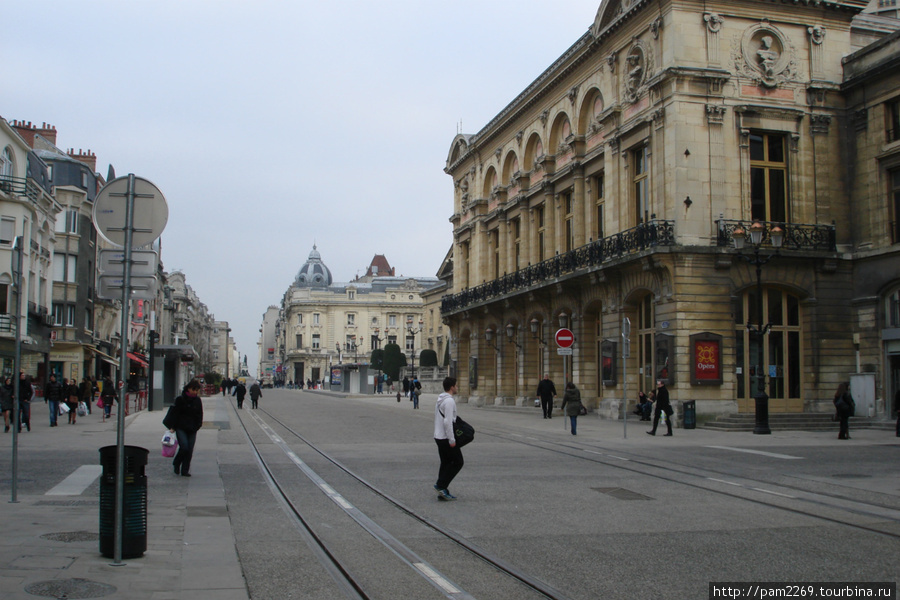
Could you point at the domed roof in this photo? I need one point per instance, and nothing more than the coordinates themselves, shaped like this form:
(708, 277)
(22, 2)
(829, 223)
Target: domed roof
(313, 273)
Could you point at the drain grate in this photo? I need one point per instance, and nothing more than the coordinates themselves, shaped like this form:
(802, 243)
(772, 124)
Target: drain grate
(622, 494)
(71, 536)
(70, 588)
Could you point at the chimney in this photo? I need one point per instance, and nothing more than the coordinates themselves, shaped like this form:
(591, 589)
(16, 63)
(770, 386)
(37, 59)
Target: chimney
(48, 132)
(26, 130)
(88, 158)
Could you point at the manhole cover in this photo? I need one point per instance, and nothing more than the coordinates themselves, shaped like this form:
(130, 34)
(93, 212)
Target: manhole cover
(70, 588)
(71, 536)
(622, 494)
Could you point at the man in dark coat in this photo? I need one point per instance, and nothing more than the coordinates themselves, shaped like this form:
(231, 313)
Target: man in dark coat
(662, 406)
(255, 394)
(53, 395)
(240, 392)
(546, 391)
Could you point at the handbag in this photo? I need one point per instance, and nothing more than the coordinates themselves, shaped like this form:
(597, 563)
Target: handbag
(582, 410)
(63, 408)
(169, 444)
(82, 409)
(100, 403)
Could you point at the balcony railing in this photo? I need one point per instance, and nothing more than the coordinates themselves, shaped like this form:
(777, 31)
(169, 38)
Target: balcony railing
(20, 186)
(797, 236)
(631, 241)
(7, 324)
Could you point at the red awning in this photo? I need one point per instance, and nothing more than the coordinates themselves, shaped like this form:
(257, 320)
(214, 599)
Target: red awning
(138, 359)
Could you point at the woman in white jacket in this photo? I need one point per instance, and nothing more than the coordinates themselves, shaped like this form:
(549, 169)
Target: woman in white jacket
(451, 455)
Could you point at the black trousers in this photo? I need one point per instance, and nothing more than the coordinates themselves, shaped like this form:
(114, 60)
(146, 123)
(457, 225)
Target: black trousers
(656, 415)
(451, 463)
(547, 407)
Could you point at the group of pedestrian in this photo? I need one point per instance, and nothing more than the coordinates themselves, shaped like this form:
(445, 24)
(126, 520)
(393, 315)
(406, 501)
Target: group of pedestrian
(62, 397)
(240, 392)
(8, 400)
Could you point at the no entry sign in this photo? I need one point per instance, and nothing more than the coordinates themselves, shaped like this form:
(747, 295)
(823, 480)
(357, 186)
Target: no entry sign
(565, 338)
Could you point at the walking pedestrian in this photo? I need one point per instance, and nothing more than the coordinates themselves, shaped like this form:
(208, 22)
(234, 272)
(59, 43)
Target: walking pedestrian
(845, 407)
(6, 402)
(184, 419)
(71, 399)
(240, 392)
(405, 386)
(451, 456)
(86, 393)
(662, 406)
(546, 391)
(53, 395)
(26, 393)
(572, 405)
(415, 389)
(255, 394)
(109, 395)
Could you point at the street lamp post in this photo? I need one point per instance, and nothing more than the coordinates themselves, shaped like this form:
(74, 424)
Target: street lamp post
(511, 337)
(412, 332)
(756, 234)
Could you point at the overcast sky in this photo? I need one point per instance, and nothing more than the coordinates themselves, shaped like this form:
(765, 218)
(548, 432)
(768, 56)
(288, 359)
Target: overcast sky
(271, 126)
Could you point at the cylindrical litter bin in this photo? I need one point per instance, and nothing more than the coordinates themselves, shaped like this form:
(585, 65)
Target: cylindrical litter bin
(134, 510)
(689, 408)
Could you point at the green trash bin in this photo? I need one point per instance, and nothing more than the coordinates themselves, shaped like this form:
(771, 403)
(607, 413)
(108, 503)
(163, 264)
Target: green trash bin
(134, 523)
(689, 408)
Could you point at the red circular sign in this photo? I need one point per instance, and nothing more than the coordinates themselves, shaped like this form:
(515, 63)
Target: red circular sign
(565, 338)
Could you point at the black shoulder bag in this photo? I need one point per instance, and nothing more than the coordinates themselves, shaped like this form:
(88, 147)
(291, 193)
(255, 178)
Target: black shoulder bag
(462, 431)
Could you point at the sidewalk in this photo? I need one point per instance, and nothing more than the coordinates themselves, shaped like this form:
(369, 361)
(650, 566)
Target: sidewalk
(49, 545)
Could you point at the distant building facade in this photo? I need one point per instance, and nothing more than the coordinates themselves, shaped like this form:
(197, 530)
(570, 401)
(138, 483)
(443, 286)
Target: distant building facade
(322, 323)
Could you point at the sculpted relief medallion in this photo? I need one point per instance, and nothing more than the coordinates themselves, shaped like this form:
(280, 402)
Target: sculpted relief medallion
(638, 64)
(766, 55)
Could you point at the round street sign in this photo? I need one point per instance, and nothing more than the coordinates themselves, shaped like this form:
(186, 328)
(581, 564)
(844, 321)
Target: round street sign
(565, 338)
(149, 215)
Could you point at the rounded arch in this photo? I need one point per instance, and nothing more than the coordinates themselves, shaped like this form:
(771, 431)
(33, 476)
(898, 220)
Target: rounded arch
(510, 167)
(560, 131)
(534, 150)
(7, 162)
(490, 182)
(591, 109)
(458, 149)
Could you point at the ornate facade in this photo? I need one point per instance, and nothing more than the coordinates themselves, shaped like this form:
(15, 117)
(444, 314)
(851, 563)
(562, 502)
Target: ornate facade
(605, 198)
(323, 323)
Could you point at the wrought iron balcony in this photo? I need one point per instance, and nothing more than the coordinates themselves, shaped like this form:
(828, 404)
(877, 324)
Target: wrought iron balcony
(593, 254)
(797, 236)
(19, 186)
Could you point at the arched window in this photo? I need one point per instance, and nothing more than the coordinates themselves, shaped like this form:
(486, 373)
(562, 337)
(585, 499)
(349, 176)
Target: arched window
(6, 163)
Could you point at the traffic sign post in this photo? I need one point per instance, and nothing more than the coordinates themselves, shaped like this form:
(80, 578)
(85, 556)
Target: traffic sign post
(564, 339)
(114, 216)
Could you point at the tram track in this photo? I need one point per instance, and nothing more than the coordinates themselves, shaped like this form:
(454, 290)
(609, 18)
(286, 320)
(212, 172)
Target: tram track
(349, 583)
(765, 493)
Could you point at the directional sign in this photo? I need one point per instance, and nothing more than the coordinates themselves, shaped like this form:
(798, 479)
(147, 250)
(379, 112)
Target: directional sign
(149, 217)
(142, 288)
(565, 338)
(143, 262)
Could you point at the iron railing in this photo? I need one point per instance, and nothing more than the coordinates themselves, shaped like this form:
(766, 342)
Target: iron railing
(631, 241)
(7, 323)
(20, 186)
(797, 236)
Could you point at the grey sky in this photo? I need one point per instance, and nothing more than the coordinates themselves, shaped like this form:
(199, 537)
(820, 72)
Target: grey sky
(272, 125)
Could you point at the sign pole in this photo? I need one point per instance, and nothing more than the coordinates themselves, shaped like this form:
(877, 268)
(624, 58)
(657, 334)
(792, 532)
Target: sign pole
(123, 362)
(626, 352)
(17, 381)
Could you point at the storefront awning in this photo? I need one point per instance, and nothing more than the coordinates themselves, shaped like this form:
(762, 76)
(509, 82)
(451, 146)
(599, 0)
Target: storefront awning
(138, 359)
(106, 357)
